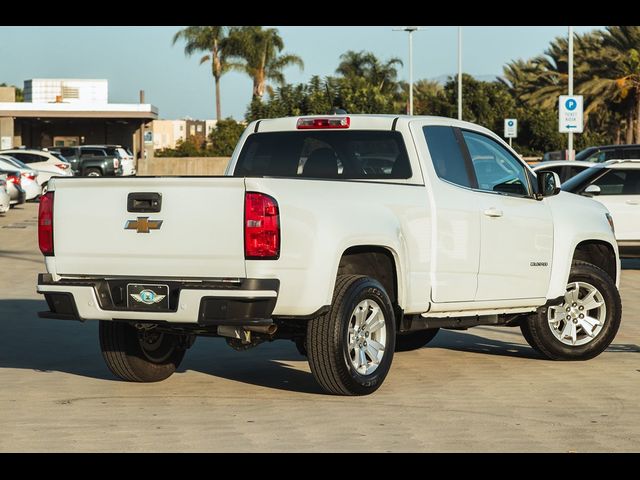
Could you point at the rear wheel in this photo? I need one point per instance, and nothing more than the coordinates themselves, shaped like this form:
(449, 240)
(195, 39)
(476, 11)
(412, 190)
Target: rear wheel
(140, 355)
(93, 172)
(406, 342)
(350, 348)
(585, 324)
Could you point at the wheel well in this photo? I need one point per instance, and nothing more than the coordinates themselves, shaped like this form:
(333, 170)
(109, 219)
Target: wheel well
(375, 262)
(600, 254)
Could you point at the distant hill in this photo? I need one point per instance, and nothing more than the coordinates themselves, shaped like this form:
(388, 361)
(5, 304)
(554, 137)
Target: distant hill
(442, 79)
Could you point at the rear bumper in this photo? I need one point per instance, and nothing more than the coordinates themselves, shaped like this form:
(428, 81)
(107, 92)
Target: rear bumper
(205, 303)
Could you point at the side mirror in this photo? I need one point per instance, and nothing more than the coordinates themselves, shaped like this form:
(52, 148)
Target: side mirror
(592, 191)
(548, 183)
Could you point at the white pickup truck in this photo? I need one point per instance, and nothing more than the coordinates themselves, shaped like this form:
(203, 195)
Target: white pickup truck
(354, 236)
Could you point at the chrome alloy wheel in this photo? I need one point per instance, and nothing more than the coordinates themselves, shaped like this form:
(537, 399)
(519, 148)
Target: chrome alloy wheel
(581, 317)
(366, 337)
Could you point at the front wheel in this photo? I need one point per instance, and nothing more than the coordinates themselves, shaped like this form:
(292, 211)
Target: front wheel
(586, 322)
(350, 348)
(140, 355)
(93, 172)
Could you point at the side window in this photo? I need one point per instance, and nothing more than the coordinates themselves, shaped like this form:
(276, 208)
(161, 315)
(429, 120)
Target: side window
(612, 154)
(446, 155)
(631, 153)
(28, 157)
(597, 156)
(619, 182)
(496, 168)
(573, 171)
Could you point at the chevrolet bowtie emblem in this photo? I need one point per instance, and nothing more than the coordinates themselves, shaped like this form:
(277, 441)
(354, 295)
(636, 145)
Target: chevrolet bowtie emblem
(143, 225)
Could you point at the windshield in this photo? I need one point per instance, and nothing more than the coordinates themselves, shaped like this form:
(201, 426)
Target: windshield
(586, 153)
(325, 154)
(122, 153)
(581, 180)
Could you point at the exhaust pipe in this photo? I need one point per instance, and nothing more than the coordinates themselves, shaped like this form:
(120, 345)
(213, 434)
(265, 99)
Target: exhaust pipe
(268, 329)
(243, 333)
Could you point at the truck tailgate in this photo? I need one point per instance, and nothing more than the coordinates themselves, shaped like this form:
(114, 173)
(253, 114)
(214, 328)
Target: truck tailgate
(201, 234)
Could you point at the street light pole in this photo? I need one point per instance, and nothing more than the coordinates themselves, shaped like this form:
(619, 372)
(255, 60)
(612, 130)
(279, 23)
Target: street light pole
(410, 30)
(570, 68)
(459, 73)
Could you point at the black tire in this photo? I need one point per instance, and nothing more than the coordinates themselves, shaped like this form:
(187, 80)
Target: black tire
(301, 345)
(122, 350)
(93, 172)
(327, 338)
(539, 331)
(526, 333)
(406, 342)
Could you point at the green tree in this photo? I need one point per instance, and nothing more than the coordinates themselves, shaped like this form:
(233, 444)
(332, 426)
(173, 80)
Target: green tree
(356, 65)
(225, 137)
(615, 75)
(184, 148)
(259, 52)
(213, 40)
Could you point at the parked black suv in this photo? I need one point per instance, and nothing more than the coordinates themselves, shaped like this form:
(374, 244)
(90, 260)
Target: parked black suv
(90, 161)
(609, 152)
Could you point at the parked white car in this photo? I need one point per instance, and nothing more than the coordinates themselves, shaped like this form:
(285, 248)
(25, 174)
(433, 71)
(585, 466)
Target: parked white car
(29, 176)
(615, 184)
(564, 168)
(47, 164)
(5, 199)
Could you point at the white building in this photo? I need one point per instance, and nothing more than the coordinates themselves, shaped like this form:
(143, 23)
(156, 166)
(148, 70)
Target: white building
(66, 90)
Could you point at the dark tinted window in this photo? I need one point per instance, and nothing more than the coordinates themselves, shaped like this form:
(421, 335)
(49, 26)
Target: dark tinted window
(619, 182)
(446, 155)
(28, 157)
(586, 153)
(325, 154)
(68, 152)
(631, 153)
(93, 151)
(572, 171)
(497, 170)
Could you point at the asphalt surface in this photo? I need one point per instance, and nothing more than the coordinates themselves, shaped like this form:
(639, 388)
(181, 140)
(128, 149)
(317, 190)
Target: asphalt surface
(479, 390)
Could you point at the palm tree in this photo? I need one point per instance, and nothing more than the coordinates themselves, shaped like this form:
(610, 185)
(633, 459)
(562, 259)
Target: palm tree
(616, 74)
(212, 40)
(366, 65)
(259, 51)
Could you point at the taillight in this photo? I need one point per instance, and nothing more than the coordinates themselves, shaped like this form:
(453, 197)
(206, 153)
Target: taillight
(323, 122)
(63, 166)
(116, 163)
(261, 227)
(45, 224)
(15, 179)
(29, 176)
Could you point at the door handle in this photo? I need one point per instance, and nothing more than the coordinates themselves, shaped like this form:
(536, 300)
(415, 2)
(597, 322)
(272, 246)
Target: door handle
(633, 202)
(493, 212)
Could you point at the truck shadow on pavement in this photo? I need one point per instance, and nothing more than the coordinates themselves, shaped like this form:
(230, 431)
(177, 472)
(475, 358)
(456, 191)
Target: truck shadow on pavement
(43, 346)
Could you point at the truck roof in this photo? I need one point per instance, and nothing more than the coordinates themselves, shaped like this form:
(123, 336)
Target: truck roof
(362, 122)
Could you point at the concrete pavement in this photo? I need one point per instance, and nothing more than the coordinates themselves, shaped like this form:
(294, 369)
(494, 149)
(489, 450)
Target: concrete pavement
(480, 390)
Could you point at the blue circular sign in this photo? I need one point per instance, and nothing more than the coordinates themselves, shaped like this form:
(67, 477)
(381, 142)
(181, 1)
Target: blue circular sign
(510, 123)
(571, 104)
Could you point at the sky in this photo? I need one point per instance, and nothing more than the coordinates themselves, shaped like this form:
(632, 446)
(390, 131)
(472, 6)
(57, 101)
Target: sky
(143, 58)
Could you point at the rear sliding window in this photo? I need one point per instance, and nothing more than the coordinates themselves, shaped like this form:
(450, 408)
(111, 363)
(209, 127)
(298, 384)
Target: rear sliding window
(324, 154)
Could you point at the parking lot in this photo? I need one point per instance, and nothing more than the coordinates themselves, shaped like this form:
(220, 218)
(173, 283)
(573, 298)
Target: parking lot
(478, 390)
